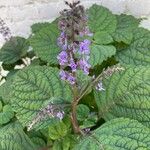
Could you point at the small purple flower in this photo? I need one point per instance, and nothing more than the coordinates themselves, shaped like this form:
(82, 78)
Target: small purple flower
(99, 86)
(71, 79)
(63, 75)
(73, 65)
(62, 41)
(60, 115)
(73, 47)
(84, 65)
(62, 25)
(84, 47)
(85, 32)
(63, 58)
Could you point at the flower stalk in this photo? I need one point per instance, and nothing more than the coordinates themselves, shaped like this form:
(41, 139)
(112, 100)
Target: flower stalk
(75, 51)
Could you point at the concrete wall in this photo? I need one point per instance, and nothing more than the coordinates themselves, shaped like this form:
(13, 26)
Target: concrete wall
(19, 15)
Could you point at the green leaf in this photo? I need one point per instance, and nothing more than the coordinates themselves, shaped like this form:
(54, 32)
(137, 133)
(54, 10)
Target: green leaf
(38, 142)
(5, 88)
(6, 115)
(13, 138)
(69, 142)
(1, 106)
(34, 88)
(117, 134)
(57, 130)
(44, 44)
(138, 53)
(100, 53)
(83, 81)
(82, 112)
(90, 121)
(38, 26)
(123, 35)
(101, 19)
(127, 22)
(127, 94)
(66, 143)
(102, 38)
(57, 145)
(125, 25)
(37, 138)
(13, 50)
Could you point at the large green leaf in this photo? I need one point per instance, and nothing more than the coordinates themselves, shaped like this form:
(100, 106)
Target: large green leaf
(37, 138)
(66, 143)
(125, 25)
(35, 87)
(83, 80)
(57, 130)
(39, 142)
(41, 25)
(13, 138)
(118, 134)
(99, 53)
(101, 19)
(5, 88)
(44, 43)
(138, 53)
(38, 26)
(4, 92)
(127, 94)
(13, 50)
(82, 112)
(102, 38)
(6, 114)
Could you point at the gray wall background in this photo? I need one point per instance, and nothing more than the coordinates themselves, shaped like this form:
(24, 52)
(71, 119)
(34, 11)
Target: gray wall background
(19, 15)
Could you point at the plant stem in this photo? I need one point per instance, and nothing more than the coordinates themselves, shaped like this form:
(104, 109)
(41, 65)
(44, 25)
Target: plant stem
(75, 103)
(74, 120)
(75, 124)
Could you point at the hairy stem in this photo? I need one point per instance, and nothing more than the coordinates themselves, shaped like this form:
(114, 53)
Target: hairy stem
(76, 101)
(75, 124)
(74, 120)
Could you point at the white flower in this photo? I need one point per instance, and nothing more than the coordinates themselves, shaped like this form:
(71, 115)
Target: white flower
(99, 86)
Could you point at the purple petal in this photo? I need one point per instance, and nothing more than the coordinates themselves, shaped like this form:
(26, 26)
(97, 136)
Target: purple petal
(73, 65)
(84, 65)
(84, 47)
(60, 115)
(63, 75)
(63, 58)
(71, 79)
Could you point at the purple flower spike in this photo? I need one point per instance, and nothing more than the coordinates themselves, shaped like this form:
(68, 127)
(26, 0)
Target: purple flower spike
(62, 58)
(84, 47)
(75, 53)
